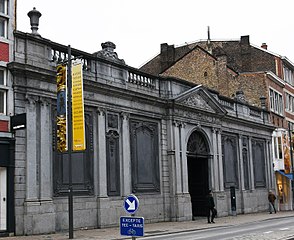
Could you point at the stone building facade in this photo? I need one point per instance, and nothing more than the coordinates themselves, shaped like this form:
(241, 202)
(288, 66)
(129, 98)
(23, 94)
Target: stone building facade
(238, 66)
(145, 134)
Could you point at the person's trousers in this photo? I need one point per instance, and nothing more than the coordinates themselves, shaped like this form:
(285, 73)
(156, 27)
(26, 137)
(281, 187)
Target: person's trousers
(272, 207)
(210, 210)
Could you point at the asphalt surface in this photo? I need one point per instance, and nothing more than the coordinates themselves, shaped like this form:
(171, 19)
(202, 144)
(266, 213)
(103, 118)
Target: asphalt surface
(156, 229)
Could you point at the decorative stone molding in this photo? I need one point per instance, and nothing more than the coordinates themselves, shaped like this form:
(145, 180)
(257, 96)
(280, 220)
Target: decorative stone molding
(197, 116)
(198, 102)
(198, 127)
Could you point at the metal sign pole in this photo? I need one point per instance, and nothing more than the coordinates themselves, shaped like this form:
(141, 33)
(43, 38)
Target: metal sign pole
(291, 157)
(133, 238)
(69, 144)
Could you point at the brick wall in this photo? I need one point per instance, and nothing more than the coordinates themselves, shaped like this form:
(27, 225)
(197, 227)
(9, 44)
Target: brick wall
(200, 67)
(4, 52)
(3, 126)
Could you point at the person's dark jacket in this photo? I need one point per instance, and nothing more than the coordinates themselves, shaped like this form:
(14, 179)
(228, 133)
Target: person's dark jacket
(210, 201)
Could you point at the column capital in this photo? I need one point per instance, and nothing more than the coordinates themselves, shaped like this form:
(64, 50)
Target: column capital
(176, 123)
(101, 111)
(125, 115)
(31, 99)
(44, 101)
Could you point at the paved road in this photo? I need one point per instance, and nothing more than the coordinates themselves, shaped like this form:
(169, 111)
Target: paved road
(281, 228)
(200, 225)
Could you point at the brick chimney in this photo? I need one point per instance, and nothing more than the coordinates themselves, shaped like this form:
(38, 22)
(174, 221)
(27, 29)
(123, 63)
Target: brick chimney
(245, 54)
(245, 40)
(167, 55)
(264, 46)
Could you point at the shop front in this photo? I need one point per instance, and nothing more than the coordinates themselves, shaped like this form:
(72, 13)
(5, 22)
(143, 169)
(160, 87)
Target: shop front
(282, 167)
(6, 187)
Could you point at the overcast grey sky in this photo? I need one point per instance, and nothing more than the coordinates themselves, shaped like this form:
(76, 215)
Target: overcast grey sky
(138, 27)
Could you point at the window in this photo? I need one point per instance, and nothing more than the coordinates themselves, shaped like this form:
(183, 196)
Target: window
(2, 91)
(3, 6)
(276, 102)
(3, 27)
(2, 77)
(288, 75)
(289, 102)
(2, 102)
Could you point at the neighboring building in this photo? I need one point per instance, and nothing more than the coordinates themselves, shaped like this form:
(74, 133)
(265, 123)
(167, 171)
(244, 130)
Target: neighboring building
(6, 111)
(165, 139)
(238, 66)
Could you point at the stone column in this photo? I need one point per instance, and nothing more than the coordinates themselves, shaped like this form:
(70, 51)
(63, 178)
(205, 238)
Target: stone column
(271, 167)
(220, 160)
(126, 155)
(251, 167)
(31, 149)
(215, 182)
(268, 164)
(45, 152)
(241, 163)
(102, 169)
(178, 168)
(185, 184)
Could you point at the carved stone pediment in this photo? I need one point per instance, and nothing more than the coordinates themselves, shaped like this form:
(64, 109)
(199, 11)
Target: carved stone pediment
(197, 101)
(198, 98)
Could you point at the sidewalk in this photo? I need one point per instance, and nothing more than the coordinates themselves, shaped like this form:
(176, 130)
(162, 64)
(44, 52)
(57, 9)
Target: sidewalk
(158, 228)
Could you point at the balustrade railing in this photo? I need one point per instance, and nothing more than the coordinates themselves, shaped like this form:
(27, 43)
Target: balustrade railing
(141, 80)
(59, 55)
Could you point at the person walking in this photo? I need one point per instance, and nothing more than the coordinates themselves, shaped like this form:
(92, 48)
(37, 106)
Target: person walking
(210, 208)
(271, 200)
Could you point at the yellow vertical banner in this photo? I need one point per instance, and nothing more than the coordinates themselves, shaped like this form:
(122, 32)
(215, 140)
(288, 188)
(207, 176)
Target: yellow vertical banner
(78, 122)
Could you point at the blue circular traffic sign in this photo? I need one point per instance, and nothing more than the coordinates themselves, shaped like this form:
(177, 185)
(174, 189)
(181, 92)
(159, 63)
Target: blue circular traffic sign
(131, 204)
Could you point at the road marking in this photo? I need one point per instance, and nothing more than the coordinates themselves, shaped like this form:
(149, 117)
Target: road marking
(283, 229)
(268, 232)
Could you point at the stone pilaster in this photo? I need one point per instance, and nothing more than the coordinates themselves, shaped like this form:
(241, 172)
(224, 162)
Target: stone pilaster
(178, 168)
(220, 160)
(251, 167)
(215, 177)
(102, 170)
(31, 149)
(45, 152)
(184, 162)
(241, 163)
(126, 155)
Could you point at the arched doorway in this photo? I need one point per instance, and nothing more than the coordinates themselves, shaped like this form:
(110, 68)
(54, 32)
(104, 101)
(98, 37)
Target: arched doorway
(197, 157)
